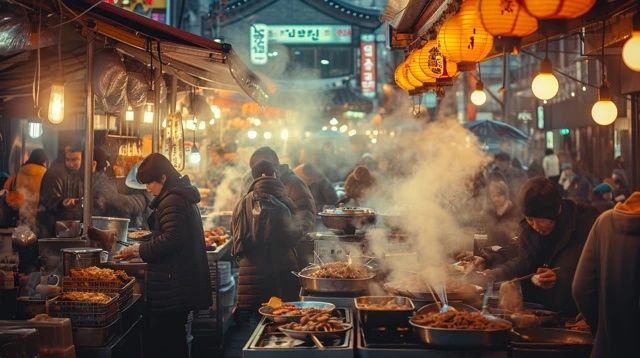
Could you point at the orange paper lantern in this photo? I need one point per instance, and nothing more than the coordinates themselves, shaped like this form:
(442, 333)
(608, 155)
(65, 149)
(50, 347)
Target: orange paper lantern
(416, 69)
(401, 79)
(462, 39)
(410, 77)
(433, 63)
(506, 18)
(557, 9)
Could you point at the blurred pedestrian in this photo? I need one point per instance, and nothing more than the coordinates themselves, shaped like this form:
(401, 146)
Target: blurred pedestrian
(23, 189)
(602, 197)
(551, 165)
(515, 177)
(606, 286)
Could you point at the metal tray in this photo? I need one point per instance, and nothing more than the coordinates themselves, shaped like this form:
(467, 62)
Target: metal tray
(384, 317)
(321, 335)
(265, 310)
(334, 285)
(551, 338)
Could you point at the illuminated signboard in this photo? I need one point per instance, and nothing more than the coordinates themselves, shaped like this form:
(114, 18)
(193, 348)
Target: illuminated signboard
(368, 65)
(310, 34)
(259, 44)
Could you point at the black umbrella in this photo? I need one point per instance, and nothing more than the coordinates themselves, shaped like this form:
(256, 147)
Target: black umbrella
(488, 130)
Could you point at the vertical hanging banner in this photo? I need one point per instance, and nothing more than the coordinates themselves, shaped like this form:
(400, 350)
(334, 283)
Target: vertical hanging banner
(368, 65)
(258, 44)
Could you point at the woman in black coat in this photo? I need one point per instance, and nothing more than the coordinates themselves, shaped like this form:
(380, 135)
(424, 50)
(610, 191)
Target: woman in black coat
(177, 271)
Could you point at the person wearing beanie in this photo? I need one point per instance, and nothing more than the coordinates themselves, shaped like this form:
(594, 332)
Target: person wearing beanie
(294, 187)
(553, 234)
(178, 278)
(602, 197)
(23, 189)
(323, 192)
(358, 185)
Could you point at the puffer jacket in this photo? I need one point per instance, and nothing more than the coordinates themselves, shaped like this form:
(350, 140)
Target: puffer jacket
(321, 189)
(26, 196)
(177, 269)
(561, 248)
(265, 263)
(606, 286)
(108, 201)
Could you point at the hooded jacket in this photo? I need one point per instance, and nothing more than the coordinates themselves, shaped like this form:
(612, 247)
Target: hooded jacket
(177, 268)
(561, 248)
(265, 262)
(27, 190)
(606, 286)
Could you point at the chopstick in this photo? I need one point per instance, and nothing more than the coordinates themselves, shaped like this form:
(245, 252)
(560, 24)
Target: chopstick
(527, 276)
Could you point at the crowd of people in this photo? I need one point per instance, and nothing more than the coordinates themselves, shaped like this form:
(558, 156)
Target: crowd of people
(580, 238)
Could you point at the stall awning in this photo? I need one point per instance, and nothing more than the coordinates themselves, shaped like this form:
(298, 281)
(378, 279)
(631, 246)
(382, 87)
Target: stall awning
(195, 60)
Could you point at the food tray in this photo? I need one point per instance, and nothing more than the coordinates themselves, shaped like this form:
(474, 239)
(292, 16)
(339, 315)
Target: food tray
(86, 314)
(265, 311)
(384, 317)
(125, 292)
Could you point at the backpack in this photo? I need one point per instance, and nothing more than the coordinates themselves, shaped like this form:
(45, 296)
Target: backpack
(271, 219)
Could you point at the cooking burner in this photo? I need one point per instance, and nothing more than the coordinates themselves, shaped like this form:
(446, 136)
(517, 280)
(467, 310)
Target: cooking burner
(267, 341)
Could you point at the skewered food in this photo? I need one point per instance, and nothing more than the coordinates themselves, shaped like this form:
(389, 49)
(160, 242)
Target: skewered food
(97, 273)
(93, 297)
(458, 320)
(320, 322)
(216, 236)
(389, 305)
(341, 270)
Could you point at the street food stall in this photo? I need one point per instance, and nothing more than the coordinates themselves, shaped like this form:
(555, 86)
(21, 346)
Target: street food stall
(127, 71)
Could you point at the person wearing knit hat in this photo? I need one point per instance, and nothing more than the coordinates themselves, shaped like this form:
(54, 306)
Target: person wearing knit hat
(602, 197)
(358, 184)
(552, 236)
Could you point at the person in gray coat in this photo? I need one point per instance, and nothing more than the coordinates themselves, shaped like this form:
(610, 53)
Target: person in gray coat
(606, 286)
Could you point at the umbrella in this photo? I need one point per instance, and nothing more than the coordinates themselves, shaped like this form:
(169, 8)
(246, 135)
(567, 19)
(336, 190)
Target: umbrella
(489, 130)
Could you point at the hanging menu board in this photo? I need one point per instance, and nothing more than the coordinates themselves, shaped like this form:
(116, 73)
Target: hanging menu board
(173, 140)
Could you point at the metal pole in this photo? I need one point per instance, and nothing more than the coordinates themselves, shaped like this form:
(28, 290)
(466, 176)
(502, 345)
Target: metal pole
(634, 161)
(155, 140)
(88, 149)
(174, 95)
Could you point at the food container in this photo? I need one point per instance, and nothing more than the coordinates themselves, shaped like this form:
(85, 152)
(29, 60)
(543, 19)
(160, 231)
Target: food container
(49, 250)
(54, 333)
(372, 317)
(29, 307)
(68, 228)
(81, 257)
(461, 338)
(86, 314)
(119, 225)
(551, 338)
(124, 290)
(95, 336)
(334, 285)
(347, 220)
(266, 310)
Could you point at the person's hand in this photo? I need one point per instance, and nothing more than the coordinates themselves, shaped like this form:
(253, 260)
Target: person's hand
(69, 202)
(544, 278)
(478, 263)
(464, 256)
(128, 253)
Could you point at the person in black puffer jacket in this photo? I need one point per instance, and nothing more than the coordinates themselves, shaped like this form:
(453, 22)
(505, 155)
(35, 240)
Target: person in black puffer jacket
(177, 271)
(264, 236)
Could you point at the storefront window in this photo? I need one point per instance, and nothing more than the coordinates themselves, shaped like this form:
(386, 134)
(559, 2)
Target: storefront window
(311, 62)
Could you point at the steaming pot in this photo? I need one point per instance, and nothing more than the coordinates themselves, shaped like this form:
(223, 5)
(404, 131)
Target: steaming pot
(81, 257)
(347, 219)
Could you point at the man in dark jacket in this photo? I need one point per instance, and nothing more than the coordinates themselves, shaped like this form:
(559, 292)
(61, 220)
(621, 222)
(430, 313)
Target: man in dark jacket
(264, 237)
(61, 193)
(107, 200)
(177, 270)
(321, 189)
(294, 187)
(606, 286)
(553, 235)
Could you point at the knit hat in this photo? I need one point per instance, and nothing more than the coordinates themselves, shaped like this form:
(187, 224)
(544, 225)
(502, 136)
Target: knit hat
(37, 156)
(358, 182)
(264, 153)
(602, 188)
(540, 199)
(261, 168)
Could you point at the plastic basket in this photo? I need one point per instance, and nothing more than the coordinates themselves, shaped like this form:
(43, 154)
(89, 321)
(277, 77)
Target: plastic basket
(125, 292)
(86, 314)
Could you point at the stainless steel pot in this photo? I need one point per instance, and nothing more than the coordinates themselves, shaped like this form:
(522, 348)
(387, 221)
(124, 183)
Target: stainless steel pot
(461, 338)
(81, 257)
(119, 225)
(347, 219)
(334, 285)
(68, 228)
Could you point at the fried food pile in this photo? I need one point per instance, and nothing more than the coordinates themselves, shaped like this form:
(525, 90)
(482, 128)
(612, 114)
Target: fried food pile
(93, 297)
(288, 309)
(341, 270)
(458, 320)
(97, 273)
(320, 322)
(218, 236)
(137, 235)
(388, 305)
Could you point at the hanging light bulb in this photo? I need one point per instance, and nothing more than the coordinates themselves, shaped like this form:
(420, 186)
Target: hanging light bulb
(631, 51)
(148, 113)
(604, 112)
(194, 157)
(56, 103)
(129, 114)
(479, 97)
(35, 129)
(545, 84)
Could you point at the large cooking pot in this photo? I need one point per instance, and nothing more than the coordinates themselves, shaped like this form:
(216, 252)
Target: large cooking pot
(347, 219)
(334, 285)
(81, 257)
(119, 225)
(68, 228)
